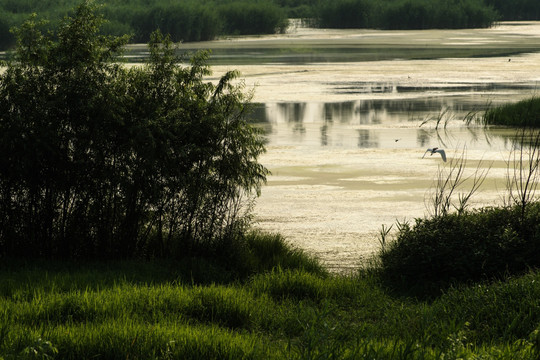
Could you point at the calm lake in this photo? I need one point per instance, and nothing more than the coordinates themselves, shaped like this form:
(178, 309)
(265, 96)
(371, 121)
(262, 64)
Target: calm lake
(348, 115)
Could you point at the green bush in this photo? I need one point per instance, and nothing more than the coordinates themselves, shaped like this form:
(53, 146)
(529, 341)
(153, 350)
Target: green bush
(409, 14)
(475, 245)
(104, 161)
(300, 12)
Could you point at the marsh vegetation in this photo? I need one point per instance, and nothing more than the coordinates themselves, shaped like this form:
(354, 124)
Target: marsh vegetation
(524, 113)
(190, 20)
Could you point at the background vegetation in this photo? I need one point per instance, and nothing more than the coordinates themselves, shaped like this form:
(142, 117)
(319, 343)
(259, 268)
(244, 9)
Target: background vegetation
(518, 10)
(190, 20)
(186, 20)
(406, 14)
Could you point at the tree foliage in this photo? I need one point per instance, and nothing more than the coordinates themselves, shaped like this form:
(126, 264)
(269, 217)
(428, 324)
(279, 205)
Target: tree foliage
(100, 160)
(244, 17)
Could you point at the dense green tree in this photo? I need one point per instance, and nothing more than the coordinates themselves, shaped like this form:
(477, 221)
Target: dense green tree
(100, 160)
(6, 38)
(188, 21)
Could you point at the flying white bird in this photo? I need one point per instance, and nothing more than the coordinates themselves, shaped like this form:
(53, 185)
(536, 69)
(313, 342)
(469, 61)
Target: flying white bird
(436, 150)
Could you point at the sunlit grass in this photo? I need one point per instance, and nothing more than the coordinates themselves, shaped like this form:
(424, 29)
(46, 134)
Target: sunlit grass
(294, 314)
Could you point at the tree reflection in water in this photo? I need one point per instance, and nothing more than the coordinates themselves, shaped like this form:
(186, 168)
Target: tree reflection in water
(367, 123)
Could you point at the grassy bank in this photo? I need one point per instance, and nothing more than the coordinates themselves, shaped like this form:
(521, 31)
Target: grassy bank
(164, 310)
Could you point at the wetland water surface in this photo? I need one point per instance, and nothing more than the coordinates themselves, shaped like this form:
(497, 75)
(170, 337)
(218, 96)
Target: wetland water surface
(349, 114)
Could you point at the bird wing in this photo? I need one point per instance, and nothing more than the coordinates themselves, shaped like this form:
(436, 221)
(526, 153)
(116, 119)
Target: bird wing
(428, 150)
(443, 154)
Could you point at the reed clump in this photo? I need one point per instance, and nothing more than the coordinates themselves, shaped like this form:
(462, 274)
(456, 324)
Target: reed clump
(524, 113)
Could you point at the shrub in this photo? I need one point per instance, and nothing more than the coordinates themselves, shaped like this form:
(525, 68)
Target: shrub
(473, 245)
(517, 9)
(406, 14)
(103, 161)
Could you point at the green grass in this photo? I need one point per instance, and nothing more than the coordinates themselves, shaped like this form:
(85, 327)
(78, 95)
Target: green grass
(150, 310)
(260, 298)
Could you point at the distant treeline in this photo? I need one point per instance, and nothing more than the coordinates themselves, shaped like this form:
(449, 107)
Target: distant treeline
(516, 9)
(200, 20)
(184, 20)
(406, 14)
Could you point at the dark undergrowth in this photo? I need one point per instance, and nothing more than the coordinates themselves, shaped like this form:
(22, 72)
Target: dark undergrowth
(220, 264)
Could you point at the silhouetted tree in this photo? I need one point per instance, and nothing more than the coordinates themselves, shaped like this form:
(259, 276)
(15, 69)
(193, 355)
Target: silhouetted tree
(101, 160)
